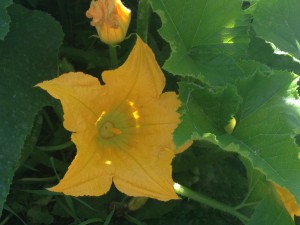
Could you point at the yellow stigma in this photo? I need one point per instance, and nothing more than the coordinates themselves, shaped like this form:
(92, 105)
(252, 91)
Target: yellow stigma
(116, 131)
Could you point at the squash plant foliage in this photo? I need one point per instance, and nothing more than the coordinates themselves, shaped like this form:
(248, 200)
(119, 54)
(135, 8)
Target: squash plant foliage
(234, 65)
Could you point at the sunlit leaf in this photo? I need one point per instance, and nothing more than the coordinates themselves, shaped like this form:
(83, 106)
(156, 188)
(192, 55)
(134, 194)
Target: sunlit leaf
(267, 122)
(205, 37)
(277, 21)
(262, 51)
(204, 111)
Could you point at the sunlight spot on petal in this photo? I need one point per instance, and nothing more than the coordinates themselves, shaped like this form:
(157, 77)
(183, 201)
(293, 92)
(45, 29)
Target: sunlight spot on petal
(136, 114)
(100, 117)
(108, 162)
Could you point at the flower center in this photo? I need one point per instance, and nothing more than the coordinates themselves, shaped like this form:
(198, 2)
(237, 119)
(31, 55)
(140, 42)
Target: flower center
(108, 130)
(117, 127)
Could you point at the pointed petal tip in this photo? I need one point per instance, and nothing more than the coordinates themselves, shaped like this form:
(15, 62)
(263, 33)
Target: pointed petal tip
(54, 189)
(40, 85)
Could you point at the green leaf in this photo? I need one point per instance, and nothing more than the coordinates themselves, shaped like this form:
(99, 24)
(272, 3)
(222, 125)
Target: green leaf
(155, 209)
(30, 50)
(277, 21)
(261, 51)
(205, 37)
(39, 215)
(258, 187)
(269, 208)
(271, 211)
(267, 122)
(4, 18)
(204, 111)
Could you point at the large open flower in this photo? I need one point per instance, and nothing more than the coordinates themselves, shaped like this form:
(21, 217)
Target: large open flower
(111, 19)
(122, 130)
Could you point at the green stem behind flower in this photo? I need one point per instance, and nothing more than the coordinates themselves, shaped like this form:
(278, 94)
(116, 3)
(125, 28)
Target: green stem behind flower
(143, 15)
(186, 192)
(113, 57)
(56, 147)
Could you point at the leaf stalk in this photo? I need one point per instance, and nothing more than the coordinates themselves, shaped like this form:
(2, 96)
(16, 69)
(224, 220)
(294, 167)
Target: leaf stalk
(143, 16)
(198, 197)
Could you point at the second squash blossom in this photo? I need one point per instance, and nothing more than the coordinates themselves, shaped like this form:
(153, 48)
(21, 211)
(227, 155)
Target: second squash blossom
(122, 130)
(111, 19)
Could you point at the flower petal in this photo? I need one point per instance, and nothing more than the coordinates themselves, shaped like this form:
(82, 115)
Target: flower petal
(144, 171)
(158, 119)
(140, 75)
(143, 166)
(80, 96)
(91, 171)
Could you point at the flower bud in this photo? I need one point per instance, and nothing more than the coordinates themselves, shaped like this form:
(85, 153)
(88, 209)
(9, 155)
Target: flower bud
(111, 19)
(230, 126)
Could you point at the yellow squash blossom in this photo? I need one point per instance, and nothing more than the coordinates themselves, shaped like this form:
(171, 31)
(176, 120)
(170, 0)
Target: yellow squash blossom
(288, 200)
(111, 19)
(122, 130)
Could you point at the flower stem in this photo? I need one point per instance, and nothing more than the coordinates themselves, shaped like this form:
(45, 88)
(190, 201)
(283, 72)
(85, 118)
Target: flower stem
(186, 192)
(143, 15)
(113, 57)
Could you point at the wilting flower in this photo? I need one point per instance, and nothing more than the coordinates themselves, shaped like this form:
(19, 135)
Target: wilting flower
(288, 200)
(111, 19)
(122, 130)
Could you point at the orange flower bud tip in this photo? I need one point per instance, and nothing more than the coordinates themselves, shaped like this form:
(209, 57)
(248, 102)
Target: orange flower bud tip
(111, 19)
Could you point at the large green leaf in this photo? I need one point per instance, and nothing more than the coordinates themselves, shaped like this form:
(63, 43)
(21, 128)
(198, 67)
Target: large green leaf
(28, 56)
(277, 21)
(205, 37)
(268, 118)
(4, 18)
